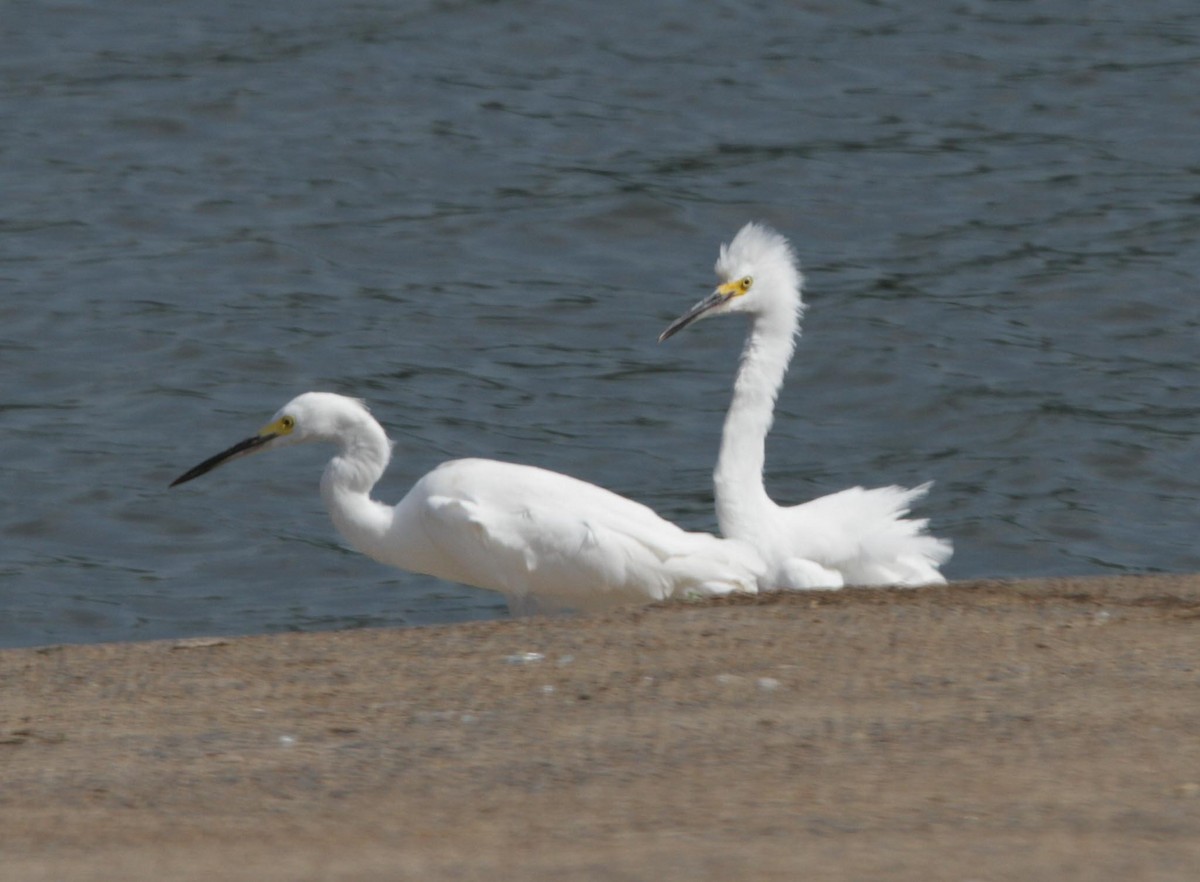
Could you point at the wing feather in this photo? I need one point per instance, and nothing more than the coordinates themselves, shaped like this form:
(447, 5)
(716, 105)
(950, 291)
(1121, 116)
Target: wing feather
(560, 542)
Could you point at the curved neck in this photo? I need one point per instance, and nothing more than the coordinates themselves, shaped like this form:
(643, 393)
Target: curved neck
(741, 496)
(363, 454)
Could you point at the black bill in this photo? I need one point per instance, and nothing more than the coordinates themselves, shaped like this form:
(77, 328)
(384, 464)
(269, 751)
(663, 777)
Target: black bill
(710, 302)
(239, 449)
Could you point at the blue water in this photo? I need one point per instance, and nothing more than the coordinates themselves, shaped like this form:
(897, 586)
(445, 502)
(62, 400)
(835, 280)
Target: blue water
(478, 216)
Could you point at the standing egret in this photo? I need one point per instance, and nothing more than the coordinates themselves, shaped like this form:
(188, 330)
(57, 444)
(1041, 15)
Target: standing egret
(854, 537)
(543, 540)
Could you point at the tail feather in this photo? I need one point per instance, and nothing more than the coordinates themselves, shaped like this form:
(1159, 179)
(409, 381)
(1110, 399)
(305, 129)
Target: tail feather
(868, 537)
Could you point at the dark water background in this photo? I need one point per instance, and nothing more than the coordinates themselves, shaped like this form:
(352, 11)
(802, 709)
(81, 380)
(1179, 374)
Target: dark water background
(479, 215)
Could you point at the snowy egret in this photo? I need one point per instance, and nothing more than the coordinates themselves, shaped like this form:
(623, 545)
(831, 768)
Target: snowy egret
(854, 537)
(544, 540)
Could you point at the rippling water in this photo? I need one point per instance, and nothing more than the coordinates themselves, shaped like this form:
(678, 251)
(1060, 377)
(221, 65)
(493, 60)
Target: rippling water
(478, 216)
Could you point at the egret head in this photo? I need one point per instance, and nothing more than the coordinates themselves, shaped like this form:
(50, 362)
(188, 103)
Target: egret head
(313, 416)
(758, 274)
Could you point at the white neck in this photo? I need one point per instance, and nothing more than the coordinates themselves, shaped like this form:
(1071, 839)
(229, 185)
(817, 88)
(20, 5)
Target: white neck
(743, 506)
(363, 454)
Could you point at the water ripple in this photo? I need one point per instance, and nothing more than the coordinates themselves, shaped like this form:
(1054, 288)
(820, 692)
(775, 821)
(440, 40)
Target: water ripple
(480, 222)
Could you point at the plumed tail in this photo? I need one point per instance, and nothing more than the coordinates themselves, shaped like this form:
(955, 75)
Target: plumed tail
(867, 536)
(715, 566)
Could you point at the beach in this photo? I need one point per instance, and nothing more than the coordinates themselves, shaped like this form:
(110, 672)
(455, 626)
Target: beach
(1045, 729)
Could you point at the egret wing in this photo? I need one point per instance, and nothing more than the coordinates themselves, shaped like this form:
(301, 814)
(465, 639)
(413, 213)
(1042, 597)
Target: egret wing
(558, 541)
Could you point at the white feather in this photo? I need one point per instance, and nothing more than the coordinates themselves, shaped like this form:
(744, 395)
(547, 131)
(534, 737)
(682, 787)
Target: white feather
(854, 537)
(544, 540)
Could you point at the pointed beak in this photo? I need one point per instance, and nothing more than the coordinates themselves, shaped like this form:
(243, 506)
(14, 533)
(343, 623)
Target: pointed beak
(717, 298)
(242, 448)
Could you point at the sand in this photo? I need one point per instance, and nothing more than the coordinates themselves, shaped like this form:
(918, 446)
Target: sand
(981, 731)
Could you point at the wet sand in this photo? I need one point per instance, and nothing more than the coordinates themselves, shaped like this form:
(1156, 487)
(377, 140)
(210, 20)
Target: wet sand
(982, 731)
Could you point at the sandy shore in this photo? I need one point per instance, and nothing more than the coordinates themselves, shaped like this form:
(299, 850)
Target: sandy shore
(984, 731)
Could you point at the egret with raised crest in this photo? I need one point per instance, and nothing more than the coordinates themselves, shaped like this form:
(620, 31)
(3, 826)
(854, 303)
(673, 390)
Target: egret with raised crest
(854, 537)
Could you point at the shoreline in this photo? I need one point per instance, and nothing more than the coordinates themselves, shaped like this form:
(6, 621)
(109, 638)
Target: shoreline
(982, 730)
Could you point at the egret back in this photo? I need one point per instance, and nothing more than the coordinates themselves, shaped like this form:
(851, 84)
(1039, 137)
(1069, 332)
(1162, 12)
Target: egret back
(553, 541)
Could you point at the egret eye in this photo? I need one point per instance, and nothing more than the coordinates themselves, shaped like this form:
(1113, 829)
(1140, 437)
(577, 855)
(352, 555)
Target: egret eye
(745, 283)
(288, 423)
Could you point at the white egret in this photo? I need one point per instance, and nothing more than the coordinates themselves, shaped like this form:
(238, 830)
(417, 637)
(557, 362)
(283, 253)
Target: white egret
(854, 537)
(544, 540)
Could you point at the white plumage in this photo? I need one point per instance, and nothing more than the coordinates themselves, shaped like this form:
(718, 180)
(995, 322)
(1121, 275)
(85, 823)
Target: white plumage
(544, 540)
(854, 537)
